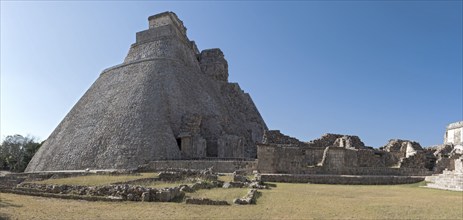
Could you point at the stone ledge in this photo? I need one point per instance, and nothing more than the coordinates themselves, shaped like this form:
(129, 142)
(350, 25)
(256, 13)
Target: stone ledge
(139, 61)
(341, 179)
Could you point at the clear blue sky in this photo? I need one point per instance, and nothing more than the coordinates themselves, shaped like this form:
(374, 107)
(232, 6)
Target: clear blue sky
(376, 69)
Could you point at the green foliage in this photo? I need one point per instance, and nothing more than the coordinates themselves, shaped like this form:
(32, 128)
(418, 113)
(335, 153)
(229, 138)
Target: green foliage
(16, 151)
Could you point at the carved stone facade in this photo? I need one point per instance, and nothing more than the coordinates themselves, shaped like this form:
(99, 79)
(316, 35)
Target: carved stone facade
(454, 134)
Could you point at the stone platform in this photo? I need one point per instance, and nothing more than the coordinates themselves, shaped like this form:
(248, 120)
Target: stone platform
(448, 180)
(341, 179)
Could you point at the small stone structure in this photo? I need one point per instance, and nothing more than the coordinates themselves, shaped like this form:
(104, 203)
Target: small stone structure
(454, 133)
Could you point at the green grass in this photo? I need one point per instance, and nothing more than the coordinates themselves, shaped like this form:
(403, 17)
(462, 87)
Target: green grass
(226, 178)
(285, 201)
(229, 178)
(96, 180)
(220, 194)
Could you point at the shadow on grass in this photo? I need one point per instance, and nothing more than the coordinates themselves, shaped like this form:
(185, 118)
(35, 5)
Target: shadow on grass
(5, 204)
(4, 217)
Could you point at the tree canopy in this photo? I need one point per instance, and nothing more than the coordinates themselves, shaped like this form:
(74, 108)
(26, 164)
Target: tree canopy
(16, 151)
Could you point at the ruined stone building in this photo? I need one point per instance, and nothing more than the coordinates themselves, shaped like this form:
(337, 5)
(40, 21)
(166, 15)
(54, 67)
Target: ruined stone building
(340, 154)
(345, 154)
(168, 105)
(449, 163)
(451, 149)
(167, 100)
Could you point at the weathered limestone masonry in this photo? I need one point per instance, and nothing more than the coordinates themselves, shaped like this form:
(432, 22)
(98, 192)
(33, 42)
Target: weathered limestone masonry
(449, 160)
(134, 190)
(452, 148)
(169, 105)
(341, 179)
(166, 101)
(223, 166)
(340, 155)
(449, 179)
(454, 133)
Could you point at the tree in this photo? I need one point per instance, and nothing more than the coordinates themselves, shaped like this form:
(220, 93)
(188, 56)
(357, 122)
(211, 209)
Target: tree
(16, 151)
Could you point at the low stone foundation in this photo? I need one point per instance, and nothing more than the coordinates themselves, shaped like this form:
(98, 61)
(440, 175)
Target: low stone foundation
(219, 166)
(131, 191)
(250, 198)
(110, 192)
(340, 179)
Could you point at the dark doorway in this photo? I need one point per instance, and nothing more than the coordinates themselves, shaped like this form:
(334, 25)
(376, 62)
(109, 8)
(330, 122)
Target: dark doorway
(179, 143)
(211, 148)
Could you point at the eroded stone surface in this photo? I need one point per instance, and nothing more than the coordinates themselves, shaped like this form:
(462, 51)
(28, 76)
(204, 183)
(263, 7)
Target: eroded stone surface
(341, 154)
(165, 101)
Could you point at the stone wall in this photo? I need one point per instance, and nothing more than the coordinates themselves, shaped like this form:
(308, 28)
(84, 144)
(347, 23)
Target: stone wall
(220, 166)
(114, 192)
(335, 157)
(330, 160)
(287, 159)
(341, 154)
(373, 171)
(230, 146)
(340, 179)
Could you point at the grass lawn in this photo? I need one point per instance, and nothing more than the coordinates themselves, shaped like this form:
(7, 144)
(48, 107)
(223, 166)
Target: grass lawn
(220, 194)
(96, 180)
(285, 201)
(229, 177)
(226, 178)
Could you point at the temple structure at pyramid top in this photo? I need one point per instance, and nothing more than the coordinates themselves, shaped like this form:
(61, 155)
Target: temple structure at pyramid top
(166, 101)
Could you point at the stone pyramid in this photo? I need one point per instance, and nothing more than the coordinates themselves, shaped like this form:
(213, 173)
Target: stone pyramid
(166, 101)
